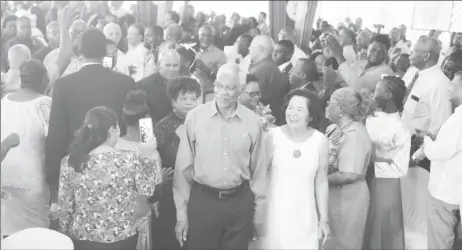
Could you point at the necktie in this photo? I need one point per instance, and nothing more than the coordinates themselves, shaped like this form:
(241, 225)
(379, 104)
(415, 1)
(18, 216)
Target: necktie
(409, 88)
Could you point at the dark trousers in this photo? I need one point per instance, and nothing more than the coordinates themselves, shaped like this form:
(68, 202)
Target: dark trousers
(224, 223)
(164, 226)
(127, 244)
(443, 225)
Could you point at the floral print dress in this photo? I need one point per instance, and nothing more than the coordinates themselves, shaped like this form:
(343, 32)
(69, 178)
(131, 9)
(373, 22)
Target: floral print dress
(99, 204)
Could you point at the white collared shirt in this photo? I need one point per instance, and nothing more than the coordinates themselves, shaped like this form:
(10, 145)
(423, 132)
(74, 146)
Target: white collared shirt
(283, 66)
(143, 60)
(428, 104)
(445, 154)
(391, 139)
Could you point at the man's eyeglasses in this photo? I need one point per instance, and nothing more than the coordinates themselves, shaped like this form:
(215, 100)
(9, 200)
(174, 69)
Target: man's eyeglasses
(228, 88)
(253, 93)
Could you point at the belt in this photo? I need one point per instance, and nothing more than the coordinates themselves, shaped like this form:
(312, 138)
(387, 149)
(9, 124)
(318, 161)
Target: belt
(223, 193)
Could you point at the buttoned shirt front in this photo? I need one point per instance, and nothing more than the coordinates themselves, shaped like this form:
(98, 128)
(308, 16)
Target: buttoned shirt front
(221, 153)
(445, 154)
(212, 57)
(428, 104)
(356, 74)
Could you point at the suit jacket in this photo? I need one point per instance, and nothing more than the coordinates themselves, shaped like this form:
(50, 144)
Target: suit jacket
(73, 96)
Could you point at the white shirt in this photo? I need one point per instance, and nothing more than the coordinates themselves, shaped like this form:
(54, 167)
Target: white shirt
(142, 60)
(245, 63)
(391, 139)
(445, 154)
(298, 54)
(283, 66)
(428, 104)
(120, 12)
(121, 64)
(349, 53)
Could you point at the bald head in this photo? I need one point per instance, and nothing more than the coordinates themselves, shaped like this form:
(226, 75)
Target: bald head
(173, 33)
(113, 32)
(17, 55)
(426, 53)
(169, 64)
(262, 46)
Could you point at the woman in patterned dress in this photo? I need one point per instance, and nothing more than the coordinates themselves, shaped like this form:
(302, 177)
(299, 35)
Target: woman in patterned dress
(101, 187)
(26, 112)
(349, 155)
(184, 96)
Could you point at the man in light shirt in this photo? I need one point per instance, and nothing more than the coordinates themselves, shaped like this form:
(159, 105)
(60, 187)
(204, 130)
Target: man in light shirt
(445, 185)
(76, 30)
(363, 74)
(113, 32)
(427, 104)
(262, 25)
(289, 34)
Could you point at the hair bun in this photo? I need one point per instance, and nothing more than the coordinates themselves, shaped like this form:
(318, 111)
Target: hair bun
(135, 103)
(137, 96)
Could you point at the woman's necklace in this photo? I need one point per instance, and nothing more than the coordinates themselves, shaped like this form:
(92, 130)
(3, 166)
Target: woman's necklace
(297, 153)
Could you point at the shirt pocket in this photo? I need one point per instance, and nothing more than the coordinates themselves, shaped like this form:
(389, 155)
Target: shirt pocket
(412, 103)
(240, 141)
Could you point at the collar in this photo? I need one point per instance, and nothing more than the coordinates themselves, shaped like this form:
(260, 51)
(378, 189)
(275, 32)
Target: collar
(90, 63)
(212, 110)
(283, 66)
(383, 114)
(429, 71)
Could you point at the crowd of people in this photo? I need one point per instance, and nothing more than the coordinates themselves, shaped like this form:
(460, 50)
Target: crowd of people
(203, 133)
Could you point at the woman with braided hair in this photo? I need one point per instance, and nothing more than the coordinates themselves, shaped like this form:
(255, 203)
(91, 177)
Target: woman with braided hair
(390, 158)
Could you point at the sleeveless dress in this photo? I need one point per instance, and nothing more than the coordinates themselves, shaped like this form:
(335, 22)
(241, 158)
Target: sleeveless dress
(292, 221)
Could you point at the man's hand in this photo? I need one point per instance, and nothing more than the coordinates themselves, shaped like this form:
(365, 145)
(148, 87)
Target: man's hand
(334, 46)
(11, 141)
(324, 231)
(181, 230)
(67, 17)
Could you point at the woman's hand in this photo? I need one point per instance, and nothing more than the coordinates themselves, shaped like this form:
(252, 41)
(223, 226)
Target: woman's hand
(323, 231)
(11, 141)
(167, 174)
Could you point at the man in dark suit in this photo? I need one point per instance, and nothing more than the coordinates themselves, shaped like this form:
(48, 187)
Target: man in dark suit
(75, 94)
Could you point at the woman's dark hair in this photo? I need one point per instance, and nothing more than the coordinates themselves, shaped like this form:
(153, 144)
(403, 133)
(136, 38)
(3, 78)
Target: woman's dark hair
(34, 76)
(135, 107)
(253, 22)
(313, 104)
(93, 133)
(140, 28)
(183, 85)
(456, 58)
(250, 78)
(397, 88)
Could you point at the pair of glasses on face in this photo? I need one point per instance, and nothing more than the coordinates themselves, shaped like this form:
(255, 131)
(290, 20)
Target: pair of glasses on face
(228, 88)
(253, 94)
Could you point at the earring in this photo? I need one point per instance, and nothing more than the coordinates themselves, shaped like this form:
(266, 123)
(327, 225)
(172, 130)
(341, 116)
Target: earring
(341, 114)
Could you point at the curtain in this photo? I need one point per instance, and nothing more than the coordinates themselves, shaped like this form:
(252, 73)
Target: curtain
(304, 27)
(278, 18)
(146, 13)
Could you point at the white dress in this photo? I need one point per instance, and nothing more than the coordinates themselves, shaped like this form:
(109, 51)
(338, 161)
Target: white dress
(292, 220)
(23, 174)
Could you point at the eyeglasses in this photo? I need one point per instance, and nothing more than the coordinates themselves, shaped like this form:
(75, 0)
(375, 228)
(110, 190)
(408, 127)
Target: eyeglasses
(228, 88)
(253, 93)
(78, 33)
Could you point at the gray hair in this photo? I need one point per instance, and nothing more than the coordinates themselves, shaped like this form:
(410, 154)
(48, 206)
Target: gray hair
(354, 103)
(433, 45)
